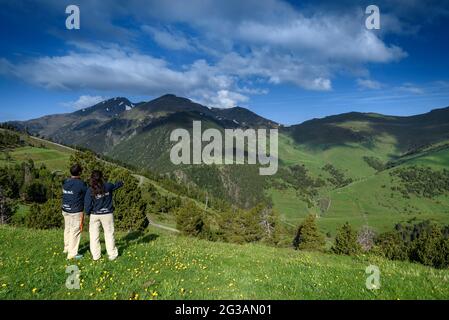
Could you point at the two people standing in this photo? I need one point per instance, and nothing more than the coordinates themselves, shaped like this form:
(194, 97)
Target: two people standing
(95, 200)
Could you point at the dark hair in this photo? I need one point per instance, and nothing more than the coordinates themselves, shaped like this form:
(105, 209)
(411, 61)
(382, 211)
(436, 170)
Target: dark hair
(76, 170)
(96, 182)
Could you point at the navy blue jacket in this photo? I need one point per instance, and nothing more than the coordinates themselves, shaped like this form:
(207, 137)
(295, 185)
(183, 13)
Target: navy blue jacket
(73, 192)
(101, 204)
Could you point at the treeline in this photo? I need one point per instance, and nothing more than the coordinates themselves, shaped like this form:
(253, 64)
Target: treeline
(9, 139)
(25, 183)
(375, 163)
(259, 224)
(188, 189)
(298, 177)
(423, 242)
(239, 185)
(421, 181)
(337, 177)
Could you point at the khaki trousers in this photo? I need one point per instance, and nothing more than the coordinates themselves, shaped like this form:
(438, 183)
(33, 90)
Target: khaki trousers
(107, 222)
(72, 233)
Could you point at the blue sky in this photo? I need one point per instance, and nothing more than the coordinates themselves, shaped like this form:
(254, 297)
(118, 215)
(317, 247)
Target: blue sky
(287, 61)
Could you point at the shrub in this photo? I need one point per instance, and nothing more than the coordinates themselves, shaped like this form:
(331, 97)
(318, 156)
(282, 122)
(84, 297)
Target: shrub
(10, 182)
(244, 226)
(392, 246)
(346, 241)
(426, 249)
(7, 208)
(308, 237)
(443, 261)
(45, 216)
(36, 192)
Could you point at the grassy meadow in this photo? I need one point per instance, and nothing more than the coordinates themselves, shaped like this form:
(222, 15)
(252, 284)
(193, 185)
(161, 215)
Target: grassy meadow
(368, 200)
(158, 265)
(54, 160)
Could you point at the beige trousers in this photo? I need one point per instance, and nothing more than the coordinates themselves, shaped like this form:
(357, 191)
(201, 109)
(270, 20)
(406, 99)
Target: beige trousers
(72, 233)
(107, 222)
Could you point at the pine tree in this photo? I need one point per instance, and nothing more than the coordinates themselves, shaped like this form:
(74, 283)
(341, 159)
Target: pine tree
(308, 236)
(45, 216)
(130, 208)
(231, 226)
(346, 241)
(191, 220)
(89, 162)
(392, 246)
(6, 208)
(426, 249)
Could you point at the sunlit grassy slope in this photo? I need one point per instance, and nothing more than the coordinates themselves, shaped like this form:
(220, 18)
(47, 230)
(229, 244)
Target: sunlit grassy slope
(369, 200)
(53, 159)
(157, 265)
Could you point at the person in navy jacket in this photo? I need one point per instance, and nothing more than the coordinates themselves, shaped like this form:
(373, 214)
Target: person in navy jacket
(73, 193)
(99, 204)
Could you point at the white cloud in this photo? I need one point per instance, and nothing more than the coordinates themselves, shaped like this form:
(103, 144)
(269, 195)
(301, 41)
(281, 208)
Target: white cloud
(278, 43)
(411, 88)
(223, 99)
(239, 42)
(169, 39)
(84, 101)
(369, 84)
(115, 69)
(322, 38)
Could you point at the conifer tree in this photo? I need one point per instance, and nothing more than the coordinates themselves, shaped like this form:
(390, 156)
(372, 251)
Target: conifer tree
(308, 236)
(130, 208)
(427, 248)
(191, 220)
(6, 208)
(346, 241)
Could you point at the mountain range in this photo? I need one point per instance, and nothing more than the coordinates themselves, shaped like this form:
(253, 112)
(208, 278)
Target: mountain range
(345, 159)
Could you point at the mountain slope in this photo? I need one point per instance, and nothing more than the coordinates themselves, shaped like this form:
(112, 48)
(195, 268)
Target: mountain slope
(339, 150)
(368, 128)
(139, 135)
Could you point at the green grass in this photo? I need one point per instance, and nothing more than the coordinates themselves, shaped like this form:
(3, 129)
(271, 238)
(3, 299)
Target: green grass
(52, 158)
(366, 201)
(162, 266)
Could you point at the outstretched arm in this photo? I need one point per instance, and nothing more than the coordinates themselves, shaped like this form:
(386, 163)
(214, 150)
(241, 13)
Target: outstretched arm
(117, 185)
